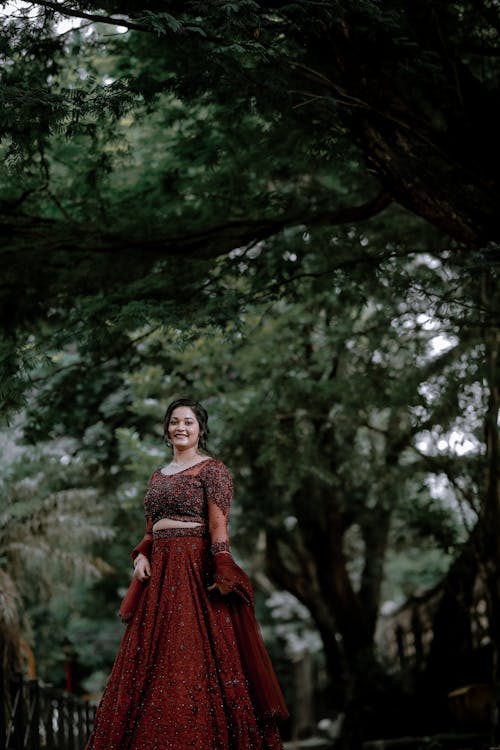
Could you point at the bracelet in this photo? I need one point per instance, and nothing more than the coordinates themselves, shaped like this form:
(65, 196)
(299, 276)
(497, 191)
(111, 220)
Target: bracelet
(220, 547)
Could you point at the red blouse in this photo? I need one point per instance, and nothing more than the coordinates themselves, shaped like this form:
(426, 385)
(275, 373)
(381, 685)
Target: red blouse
(202, 494)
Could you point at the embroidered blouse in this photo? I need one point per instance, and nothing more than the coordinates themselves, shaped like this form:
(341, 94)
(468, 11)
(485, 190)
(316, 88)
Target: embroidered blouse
(202, 494)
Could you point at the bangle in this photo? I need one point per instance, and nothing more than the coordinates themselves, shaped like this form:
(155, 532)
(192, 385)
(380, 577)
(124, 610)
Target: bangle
(220, 547)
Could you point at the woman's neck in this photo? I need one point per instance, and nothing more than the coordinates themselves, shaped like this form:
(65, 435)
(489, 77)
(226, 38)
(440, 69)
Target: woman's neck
(188, 456)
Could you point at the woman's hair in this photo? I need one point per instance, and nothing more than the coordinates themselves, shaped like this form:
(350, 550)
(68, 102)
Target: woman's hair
(201, 417)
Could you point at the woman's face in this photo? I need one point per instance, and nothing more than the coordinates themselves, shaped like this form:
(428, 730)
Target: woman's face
(183, 428)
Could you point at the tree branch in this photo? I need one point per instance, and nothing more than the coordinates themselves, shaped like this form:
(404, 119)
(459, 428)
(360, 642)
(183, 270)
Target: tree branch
(63, 10)
(209, 242)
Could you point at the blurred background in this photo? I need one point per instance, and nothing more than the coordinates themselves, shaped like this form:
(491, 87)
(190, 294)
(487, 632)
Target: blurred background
(290, 213)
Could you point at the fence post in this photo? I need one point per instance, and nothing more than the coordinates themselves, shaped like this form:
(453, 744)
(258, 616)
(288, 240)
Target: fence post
(72, 724)
(33, 716)
(48, 694)
(61, 723)
(3, 706)
(82, 726)
(18, 715)
(90, 712)
(32, 734)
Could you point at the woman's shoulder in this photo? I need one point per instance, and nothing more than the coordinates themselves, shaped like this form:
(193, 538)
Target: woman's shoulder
(213, 462)
(213, 466)
(218, 483)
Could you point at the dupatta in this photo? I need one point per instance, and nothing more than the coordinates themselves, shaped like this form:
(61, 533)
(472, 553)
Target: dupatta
(265, 691)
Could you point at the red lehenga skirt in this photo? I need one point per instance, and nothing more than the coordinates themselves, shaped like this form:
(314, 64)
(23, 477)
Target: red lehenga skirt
(178, 680)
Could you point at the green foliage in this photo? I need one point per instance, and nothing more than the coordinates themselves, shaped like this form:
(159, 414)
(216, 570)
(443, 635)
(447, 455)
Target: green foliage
(320, 397)
(52, 514)
(177, 208)
(82, 178)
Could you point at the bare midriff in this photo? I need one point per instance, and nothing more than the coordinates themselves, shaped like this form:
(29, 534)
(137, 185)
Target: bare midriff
(170, 523)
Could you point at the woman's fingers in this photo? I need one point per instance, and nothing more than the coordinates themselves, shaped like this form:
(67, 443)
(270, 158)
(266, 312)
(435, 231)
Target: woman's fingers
(143, 570)
(220, 587)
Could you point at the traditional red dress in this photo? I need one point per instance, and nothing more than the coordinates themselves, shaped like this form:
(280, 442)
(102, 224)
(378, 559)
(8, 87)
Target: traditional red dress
(192, 670)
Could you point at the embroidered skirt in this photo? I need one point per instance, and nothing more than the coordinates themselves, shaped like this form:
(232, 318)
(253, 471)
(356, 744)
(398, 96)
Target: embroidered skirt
(177, 681)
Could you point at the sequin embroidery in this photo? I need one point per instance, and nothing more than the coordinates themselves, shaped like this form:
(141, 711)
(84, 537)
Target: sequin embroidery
(222, 546)
(185, 496)
(178, 681)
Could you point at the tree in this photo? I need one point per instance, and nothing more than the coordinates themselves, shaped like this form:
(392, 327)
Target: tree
(397, 114)
(323, 403)
(350, 115)
(413, 88)
(328, 384)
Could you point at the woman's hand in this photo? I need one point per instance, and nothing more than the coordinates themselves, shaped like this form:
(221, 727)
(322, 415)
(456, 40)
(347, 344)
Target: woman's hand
(222, 589)
(142, 567)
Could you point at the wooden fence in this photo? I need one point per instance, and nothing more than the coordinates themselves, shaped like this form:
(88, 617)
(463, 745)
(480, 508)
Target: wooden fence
(38, 717)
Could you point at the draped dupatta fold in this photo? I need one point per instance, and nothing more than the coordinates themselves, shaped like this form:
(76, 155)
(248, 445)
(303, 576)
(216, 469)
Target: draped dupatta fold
(131, 599)
(265, 691)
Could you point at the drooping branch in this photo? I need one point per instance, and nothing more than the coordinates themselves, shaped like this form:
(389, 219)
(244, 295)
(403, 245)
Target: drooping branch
(429, 138)
(64, 10)
(22, 234)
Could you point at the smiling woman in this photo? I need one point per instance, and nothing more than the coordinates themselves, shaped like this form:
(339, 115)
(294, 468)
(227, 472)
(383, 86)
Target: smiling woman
(192, 670)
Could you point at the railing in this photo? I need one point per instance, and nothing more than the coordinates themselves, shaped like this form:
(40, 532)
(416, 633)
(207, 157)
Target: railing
(38, 717)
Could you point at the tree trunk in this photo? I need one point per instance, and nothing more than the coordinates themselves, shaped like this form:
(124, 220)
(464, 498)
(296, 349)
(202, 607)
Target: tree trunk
(491, 509)
(323, 585)
(303, 715)
(376, 537)
(449, 663)
(452, 661)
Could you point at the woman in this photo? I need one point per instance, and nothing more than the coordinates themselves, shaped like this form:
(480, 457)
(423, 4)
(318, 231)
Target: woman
(192, 670)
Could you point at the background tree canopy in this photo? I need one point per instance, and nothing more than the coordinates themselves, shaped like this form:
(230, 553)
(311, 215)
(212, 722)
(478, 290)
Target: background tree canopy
(288, 210)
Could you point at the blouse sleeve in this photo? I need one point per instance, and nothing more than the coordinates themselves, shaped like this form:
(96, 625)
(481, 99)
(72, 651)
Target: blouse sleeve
(144, 546)
(218, 484)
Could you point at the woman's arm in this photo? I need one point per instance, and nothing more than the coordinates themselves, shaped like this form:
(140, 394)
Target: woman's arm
(144, 546)
(228, 576)
(142, 553)
(217, 527)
